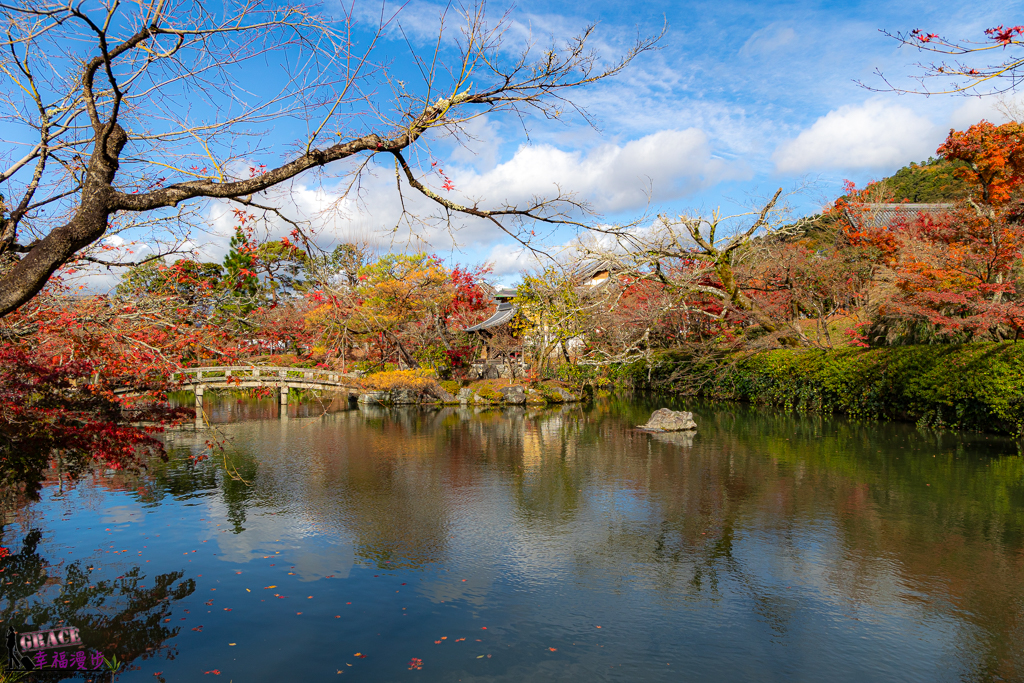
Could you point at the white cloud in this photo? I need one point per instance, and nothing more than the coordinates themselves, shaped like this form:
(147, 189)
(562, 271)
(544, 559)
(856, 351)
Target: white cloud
(662, 166)
(665, 165)
(767, 40)
(508, 261)
(994, 110)
(874, 135)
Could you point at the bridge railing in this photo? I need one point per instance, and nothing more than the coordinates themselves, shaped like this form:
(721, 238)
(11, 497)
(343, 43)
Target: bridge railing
(227, 373)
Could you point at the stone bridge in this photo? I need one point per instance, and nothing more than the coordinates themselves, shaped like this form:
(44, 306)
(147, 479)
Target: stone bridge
(200, 380)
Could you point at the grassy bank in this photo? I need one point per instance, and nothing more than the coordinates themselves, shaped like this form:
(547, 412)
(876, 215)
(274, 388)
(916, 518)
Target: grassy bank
(972, 386)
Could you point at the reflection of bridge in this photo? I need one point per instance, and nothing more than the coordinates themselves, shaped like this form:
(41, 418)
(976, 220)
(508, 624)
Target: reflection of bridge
(199, 380)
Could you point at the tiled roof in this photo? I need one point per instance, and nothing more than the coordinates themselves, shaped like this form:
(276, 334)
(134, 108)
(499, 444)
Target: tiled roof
(892, 215)
(504, 293)
(587, 269)
(501, 316)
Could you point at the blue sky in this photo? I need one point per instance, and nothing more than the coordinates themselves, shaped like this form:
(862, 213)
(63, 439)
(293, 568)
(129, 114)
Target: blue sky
(740, 99)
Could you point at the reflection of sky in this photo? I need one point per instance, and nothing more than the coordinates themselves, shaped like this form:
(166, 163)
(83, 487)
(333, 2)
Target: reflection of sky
(119, 514)
(313, 555)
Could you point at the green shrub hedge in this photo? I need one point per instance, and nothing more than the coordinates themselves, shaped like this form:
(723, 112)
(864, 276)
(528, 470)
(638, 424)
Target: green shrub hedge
(970, 386)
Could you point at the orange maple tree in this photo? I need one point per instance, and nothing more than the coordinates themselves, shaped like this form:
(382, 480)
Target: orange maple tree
(995, 160)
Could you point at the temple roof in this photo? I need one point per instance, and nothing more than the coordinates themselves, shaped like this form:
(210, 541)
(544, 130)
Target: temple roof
(506, 310)
(893, 215)
(504, 293)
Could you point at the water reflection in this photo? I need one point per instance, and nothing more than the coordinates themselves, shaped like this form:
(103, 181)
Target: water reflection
(122, 615)
(224, 407)
(764, 546)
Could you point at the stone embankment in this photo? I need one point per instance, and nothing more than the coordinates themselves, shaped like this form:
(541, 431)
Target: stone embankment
(484, 395)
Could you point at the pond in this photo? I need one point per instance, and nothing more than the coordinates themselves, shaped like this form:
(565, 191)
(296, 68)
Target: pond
(538, 545)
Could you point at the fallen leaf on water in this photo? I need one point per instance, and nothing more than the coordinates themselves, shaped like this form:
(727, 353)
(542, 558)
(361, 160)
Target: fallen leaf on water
(360, 655)
(415, 663)
(197, 628)
(480, 657)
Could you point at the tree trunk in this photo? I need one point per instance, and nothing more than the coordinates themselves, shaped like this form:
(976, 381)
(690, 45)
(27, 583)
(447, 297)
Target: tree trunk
(31, 273)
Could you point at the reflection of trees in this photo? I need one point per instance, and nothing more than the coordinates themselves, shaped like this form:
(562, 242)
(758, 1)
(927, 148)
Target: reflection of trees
(941, 514)
(243, 405)
(388, 491)
(119, 617)
(948, 527)
(371, 476)
(540, 453)
(394, 479)
(183, 479)
(392, 489)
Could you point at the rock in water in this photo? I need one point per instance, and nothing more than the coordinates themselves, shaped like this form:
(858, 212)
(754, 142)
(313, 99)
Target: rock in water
(514, 395)
(375, 398)
(665, 420)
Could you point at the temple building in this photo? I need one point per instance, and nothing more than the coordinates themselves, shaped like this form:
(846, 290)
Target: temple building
(501, 350)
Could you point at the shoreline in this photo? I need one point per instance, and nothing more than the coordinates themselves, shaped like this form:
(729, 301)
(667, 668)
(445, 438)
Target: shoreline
(975, 387)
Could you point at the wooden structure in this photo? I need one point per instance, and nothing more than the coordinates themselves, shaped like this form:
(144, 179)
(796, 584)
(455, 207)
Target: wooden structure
(497, 324)
(501, 345)
(595, 273)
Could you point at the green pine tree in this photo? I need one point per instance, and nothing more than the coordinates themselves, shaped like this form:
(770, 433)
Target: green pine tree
(240, 275)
